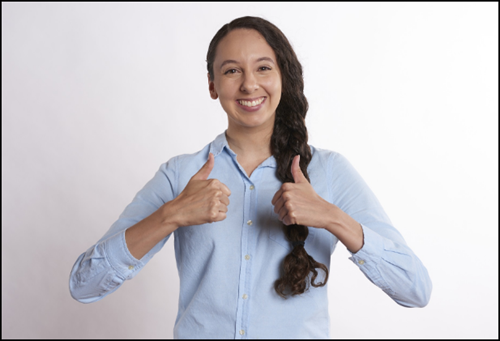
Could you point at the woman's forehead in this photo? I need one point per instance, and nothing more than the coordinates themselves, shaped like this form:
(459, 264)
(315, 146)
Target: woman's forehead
(242, 45)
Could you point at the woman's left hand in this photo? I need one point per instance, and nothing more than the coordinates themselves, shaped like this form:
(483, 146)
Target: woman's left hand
(298, 203)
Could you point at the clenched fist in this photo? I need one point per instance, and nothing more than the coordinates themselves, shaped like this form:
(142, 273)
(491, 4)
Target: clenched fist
(298, 203)
(202, 201)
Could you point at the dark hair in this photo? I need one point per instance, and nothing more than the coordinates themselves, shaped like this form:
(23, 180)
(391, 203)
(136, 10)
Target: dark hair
(289, 138)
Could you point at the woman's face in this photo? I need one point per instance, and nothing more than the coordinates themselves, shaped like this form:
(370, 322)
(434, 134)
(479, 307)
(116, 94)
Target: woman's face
(247, 80)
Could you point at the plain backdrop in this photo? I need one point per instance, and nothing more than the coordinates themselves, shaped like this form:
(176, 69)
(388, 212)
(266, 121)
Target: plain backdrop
(95, 96)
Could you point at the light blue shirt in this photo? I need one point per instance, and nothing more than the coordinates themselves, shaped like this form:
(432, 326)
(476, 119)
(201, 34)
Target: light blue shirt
(227, 269)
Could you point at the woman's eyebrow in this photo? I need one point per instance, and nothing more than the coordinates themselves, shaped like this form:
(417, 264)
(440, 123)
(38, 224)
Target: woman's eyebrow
(229, 61)
(265, 58)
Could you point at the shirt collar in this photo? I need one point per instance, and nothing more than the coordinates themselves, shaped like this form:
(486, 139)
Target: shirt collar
(220, 142)
(218, 145)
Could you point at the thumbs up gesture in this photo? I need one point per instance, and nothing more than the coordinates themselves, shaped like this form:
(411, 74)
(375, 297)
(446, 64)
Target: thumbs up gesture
(298, 202)
(203, 200)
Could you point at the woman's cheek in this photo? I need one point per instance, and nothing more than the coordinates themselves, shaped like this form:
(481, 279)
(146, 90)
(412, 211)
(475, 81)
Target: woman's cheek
(273, 89)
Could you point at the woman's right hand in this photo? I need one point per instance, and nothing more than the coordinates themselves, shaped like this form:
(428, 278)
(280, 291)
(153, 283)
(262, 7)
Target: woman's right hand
(202, 201)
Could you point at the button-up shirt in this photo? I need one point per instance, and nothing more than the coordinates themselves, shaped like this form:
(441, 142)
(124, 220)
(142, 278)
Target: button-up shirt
(227, 269)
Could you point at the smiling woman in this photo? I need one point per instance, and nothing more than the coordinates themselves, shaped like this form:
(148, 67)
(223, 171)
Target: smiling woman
(247, 80)
(257, 73)
(247, 264)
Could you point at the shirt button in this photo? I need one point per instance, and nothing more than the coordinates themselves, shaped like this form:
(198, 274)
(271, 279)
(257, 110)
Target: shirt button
(245, 296)
(361, 262)
(249, 222)
(242, 332)
(130, 267)
(252, 187)
(247, 257)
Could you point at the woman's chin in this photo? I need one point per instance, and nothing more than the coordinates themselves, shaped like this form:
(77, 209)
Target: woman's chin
(257, 123)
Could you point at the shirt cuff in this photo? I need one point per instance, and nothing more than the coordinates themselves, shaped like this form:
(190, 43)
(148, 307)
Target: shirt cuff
(120, 258)
(370, 255)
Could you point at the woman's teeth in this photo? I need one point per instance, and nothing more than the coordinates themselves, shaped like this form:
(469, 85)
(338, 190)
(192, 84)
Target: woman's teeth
(251, 103)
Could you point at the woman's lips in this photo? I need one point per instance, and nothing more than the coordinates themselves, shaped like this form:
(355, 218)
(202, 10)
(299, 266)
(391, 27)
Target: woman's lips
(254, 108)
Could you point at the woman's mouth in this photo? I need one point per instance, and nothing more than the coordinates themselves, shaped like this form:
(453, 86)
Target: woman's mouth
(251, 104)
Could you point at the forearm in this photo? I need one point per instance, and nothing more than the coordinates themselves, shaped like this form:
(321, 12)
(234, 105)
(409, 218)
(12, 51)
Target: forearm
(144, 235)
(379, 250)
(129, 244)
(347, 230)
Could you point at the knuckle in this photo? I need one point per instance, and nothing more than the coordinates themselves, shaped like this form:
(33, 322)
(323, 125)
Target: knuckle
(286, 196)
(214, 183)
(287, 186)
(212, 216)
(289, 206)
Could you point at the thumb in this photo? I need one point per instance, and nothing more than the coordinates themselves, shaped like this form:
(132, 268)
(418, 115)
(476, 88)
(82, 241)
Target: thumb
(204, 171)
(297, 174)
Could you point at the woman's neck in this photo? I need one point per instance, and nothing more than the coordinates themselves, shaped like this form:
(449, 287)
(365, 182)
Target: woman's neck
(252, 147)
(249, 143)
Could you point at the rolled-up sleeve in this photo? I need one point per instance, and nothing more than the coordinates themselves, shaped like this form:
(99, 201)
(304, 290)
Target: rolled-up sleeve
(385, 258)
(106, 265)
(394, 268)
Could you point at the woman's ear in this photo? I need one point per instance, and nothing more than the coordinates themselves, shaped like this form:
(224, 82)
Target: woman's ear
(211, 88)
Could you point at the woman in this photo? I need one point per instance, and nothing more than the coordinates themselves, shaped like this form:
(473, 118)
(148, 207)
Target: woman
(257, 213)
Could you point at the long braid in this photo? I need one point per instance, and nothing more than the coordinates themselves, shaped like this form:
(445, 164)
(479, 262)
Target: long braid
(289, 139)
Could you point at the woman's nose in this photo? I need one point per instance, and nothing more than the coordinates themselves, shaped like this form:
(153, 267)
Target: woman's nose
(249, 83)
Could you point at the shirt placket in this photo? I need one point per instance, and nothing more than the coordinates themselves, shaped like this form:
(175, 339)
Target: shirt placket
(246, 261)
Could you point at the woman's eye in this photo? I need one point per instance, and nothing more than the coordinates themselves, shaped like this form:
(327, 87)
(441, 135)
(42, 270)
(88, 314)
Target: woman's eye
(230, 71)
(264, 68)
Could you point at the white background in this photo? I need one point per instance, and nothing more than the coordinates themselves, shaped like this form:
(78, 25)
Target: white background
(95, 96)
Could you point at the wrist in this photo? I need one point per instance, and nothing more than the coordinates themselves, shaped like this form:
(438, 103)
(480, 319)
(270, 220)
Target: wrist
(168, 217)
(334, 222)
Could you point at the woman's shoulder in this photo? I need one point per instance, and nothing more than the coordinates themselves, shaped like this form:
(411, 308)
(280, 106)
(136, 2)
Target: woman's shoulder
(196, 160)
(327, 158)
(186, 161)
